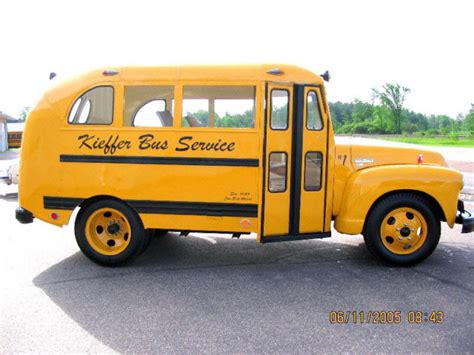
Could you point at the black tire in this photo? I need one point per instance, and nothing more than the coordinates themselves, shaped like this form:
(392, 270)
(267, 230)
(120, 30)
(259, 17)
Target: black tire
(138, 237)
(372, 230)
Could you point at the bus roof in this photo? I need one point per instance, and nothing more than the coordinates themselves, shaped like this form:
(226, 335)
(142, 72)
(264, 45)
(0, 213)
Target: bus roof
(282, 73)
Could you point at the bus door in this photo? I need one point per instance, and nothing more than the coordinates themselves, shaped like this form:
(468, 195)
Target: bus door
(295, 164)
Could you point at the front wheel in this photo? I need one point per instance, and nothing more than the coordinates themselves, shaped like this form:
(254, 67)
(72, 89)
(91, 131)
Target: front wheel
(402, 229)
(109, 232)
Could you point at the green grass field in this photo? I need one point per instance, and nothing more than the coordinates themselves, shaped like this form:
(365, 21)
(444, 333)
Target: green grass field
(447, 142)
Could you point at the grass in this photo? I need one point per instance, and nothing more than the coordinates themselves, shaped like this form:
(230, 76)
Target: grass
(438, 141)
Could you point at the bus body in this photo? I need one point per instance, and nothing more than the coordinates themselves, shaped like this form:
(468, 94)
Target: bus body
(232, 149)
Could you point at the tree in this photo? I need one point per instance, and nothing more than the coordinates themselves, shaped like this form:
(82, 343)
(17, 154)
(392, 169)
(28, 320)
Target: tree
(24, 114)
(469, 121)
(393, 96)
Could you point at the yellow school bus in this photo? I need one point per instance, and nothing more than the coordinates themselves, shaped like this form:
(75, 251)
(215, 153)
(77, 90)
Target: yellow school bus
(228, 149)
(14, 139)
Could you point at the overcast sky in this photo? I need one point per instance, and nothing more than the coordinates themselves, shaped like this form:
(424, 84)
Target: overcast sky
(427, 46)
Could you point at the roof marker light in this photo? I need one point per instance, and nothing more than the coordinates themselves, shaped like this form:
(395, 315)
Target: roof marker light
(275, 71)
(109, 72)
(420, 159)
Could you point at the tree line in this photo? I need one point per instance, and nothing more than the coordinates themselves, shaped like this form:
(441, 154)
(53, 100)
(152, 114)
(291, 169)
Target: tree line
(387, 115)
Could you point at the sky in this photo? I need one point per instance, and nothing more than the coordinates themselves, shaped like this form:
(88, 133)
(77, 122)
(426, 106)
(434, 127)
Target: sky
(427, 46)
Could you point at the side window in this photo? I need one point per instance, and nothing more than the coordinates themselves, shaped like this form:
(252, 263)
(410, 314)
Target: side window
(313, 115)
(148, 106)
(312, 171)
(280, 102)
(96, 106)
(277, 172)
(219, 106)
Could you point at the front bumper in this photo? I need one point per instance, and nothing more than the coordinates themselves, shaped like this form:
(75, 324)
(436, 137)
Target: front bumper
(465, 218)
(23, 216)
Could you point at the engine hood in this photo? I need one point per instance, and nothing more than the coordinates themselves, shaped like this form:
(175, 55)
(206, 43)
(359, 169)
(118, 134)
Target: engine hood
(365, 155)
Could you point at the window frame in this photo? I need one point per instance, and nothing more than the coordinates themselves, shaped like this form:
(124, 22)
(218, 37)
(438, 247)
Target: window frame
(287, 111)
(286, 172)
(315, 91)
(92, 124)
(320, 174)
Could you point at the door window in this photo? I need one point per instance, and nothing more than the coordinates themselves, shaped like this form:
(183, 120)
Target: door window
(312, 171)
(313, 114)
(277, 172)
(280, 102)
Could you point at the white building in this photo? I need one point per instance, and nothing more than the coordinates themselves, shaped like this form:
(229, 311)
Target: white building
(3, 132)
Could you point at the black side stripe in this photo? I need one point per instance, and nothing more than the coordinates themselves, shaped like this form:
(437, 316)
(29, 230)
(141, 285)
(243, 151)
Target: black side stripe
(70, 158)
(167, 207)
(61, 203)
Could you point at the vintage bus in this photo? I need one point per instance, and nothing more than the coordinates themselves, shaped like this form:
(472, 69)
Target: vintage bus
(222, 149)
(14, 139)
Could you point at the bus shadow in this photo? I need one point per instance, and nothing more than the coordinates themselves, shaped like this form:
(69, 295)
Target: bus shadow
(200, 287)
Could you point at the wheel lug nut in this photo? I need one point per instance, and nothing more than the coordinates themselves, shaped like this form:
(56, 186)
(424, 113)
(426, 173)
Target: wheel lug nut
(400, 238)
(409, 238)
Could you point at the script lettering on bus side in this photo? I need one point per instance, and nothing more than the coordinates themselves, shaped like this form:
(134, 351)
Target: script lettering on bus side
(114, 143)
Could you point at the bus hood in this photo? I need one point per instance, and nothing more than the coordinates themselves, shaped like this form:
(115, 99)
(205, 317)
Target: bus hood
(367, 155)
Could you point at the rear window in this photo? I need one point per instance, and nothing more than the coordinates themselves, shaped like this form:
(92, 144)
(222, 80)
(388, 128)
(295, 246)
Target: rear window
(95, 106)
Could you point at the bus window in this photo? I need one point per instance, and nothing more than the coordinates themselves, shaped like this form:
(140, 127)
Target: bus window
(280, 108)
(95, 107)
(219, 106)
(313, 116)
(148, 106)
(278, 171)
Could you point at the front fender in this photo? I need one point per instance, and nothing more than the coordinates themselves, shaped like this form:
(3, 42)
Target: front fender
(365, 186)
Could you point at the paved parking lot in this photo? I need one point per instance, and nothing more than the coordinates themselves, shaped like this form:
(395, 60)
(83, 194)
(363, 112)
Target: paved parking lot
(213, 294)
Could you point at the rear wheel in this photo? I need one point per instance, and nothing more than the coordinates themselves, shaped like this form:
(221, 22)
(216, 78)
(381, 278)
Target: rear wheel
(109, 232)
(402, 229)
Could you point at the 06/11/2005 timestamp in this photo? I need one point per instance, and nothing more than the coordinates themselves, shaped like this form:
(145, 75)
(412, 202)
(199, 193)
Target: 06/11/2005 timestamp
(386, 317)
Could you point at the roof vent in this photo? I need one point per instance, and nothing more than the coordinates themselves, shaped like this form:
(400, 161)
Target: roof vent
(275, 71)
(109, 72)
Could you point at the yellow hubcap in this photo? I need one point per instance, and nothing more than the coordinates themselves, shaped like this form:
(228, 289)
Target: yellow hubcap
(108, 231)
(403, 231)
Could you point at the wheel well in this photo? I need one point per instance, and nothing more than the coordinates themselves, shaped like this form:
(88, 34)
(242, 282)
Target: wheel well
(93, 199)
(433, 204)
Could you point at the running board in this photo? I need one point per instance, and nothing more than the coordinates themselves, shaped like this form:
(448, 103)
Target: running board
(289, 238)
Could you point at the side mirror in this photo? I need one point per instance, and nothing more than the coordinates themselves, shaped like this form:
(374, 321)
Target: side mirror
(326, 76)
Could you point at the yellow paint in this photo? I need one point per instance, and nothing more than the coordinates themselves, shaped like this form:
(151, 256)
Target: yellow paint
(277, 204)
(349, 187)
